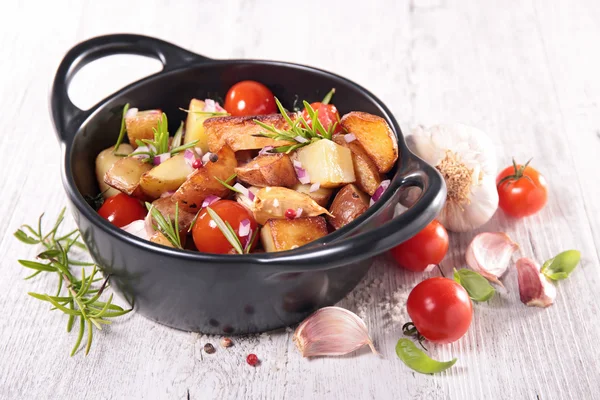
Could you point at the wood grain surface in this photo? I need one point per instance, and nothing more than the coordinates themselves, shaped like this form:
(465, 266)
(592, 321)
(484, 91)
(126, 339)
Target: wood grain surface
(526, 72)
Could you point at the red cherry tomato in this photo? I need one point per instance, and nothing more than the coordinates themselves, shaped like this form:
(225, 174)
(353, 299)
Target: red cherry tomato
(208, 238)
(249, 98)
(440, 309)
(121, 210)
(522, 190)
(328, 115)
(427, 247)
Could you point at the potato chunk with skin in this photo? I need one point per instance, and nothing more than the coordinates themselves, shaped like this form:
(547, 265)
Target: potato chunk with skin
(321, 196)
(125, 175)
(349, 204)
(194, 125)
(375, 136)
(368, 177)
(167, 176)
(327, 163)
(166, 206)
(268, 170)
(104, 161)
(141, 125)
(160, 238)
(287, 234)
(273, 202)
(202, 183)
(237, 132)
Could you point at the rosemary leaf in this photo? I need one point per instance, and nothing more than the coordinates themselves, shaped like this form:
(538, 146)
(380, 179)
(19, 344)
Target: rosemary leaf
(178, 137)
(328, 96)
(122, 131)
(227, 230)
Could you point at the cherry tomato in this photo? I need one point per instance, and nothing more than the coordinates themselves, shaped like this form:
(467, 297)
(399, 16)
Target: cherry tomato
(208, 238)
(249, 98)
(427, 247)
(440, 309)
(121, 210)
(522, 190)
(328, 115)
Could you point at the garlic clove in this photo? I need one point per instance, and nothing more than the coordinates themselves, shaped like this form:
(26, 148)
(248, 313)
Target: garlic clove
(332, 331)
(489, 254)
(534, 288)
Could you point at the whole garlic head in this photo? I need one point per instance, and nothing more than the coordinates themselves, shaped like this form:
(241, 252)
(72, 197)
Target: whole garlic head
(466, 159)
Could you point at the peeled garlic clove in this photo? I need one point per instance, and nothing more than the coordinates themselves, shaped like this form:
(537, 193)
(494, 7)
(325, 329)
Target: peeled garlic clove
(489, 254)
(332, 331)
(534, 288)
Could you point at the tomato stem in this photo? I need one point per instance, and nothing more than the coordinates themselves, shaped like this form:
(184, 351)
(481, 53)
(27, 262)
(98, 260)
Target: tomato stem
(409, 329)
(518, 174)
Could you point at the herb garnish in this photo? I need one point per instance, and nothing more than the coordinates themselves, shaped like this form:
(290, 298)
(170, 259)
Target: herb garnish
(227, 185)
(178, 137)
(478, 288)
(417, 360)
(210, 113)
(229, 233)
(300, 131)
(122, 131)
(164, 224)
(82, 299)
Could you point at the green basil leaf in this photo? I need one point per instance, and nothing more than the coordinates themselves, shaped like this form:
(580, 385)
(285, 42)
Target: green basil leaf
(561, 266)
(417, 360)
(478, 288)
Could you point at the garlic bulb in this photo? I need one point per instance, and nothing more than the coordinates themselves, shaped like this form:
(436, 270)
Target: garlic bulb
(466, 159)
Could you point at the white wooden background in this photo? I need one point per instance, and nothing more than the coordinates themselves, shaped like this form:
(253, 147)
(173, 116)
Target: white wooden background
(525, 71)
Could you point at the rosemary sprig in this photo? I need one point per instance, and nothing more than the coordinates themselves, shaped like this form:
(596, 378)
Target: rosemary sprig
(122, 131)
(229, 233)
(210, 113)
(178, 137)
(164, 224)
(226, 183)
(328, 96)
(81, 299)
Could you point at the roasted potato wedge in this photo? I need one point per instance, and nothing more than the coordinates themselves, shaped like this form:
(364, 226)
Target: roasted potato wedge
(141, 124)
(321, 196)
(268, 170)
(160, 238)
(272, 203)
(349, 203)
(202, 183)
(104, 161)
(166, 206)
(368, 177)
(194, 125)
(167, 176)
(327, 163)
(375, 136)
(125, 175)
(237, 132)
(287, 234)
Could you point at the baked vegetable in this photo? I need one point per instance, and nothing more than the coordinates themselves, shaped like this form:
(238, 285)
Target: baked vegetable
(202, 183)
(194, 125)
(104, 161)
(125, 175)
(268, 170)
(327, 163)
(167, 176)
(287, 234)
(375, 136)
(321, 196)
(166, 207)
(237, 132)
(273, 202)
(141, 124)
(160, 238)
(348, 204)
(368, 177)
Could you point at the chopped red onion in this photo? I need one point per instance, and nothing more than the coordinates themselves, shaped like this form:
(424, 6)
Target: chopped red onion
(209, 105)
(297, 164)
(138, 228)
(189, 156)
(379, 191)
(300, 139)
(218, 107)
(168, 193)
(250, 195)
(206, 158)
(141, 149)
(161, 158)
(244, 229)
(314, 187)
(243, 190)
(132, 112)
(198, 151)
(349, 137)
(265, 150)
(299, 212)
(209, 200)
(301, 172)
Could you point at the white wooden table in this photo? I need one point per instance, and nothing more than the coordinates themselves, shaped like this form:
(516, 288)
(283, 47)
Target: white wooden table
(527, 72)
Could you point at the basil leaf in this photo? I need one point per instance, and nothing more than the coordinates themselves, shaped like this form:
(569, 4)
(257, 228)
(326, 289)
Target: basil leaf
(417, 360)
(561, 266)
(478, 288)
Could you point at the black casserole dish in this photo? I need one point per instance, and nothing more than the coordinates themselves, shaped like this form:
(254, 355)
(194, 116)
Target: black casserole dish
(226, 293)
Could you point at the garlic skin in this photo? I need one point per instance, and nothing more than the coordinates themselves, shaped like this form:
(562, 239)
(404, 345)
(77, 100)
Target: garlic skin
(489, 254)
(466, 158)
(332, 331)
(534, 288)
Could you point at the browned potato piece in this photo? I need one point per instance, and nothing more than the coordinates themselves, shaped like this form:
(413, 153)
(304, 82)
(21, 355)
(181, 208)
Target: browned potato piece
(349, 203)
(140, 126)
(160, 238)
(273, 202)
(167, 176)
(268, 170)
(104, 161)
(236, 132)
(166, 206)
(367, 175)
(202, 183)
(321, 196)
(287, 234)
(125, 175)
(375, 136)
